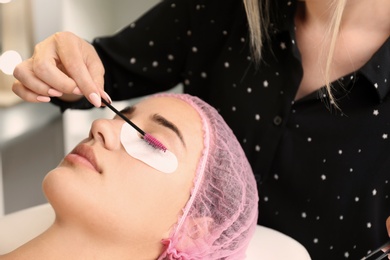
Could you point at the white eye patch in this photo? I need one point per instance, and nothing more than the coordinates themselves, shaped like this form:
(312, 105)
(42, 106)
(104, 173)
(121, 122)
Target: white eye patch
(138, 148)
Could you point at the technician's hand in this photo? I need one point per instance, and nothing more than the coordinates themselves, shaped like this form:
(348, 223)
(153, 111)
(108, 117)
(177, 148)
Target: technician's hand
(388, 232)
(63, 66)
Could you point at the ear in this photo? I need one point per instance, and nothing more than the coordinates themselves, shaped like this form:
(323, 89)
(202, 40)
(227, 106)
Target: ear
(192, 229)
(191, 236)
(198, 227)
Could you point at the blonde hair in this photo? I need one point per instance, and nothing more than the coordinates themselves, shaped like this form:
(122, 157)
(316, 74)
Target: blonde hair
(257, 12)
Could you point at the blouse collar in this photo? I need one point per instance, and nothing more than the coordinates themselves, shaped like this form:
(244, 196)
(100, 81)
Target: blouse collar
(377, 70)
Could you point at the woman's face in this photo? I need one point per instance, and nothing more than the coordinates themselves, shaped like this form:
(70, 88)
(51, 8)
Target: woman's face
(108, 192)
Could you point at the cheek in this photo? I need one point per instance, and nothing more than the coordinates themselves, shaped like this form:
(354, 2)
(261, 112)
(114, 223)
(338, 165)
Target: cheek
(136, 147)
(146, 204)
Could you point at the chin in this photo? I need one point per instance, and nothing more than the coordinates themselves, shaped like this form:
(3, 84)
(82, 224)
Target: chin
(66, 193)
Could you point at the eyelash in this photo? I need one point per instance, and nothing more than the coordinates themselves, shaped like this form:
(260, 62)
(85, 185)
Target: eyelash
(154, 134)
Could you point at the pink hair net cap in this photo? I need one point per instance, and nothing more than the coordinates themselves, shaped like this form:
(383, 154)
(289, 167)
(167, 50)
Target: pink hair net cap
(220, 216)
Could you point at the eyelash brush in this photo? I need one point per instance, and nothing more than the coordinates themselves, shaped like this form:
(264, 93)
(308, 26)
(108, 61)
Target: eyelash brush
(145, 136)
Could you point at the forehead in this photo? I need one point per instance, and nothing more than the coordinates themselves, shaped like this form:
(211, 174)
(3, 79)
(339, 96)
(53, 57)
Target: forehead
(168, 107)
(177, 111)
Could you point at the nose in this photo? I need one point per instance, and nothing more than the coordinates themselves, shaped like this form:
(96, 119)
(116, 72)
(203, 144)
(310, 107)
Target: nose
(107, 132)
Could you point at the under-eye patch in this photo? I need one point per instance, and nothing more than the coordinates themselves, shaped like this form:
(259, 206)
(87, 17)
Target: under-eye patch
(136, 147)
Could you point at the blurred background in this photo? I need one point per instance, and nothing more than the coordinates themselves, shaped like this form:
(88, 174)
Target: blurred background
(35, 137)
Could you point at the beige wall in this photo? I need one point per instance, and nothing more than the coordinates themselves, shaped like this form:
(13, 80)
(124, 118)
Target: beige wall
(27, 22)
(15, 22)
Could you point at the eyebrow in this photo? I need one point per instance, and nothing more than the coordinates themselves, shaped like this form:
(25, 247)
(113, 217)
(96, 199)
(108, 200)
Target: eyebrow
(160, 120)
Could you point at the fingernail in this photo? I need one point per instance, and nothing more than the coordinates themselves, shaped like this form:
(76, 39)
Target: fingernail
(54, 93)
(43, 99)
(77, 91)
(95, 100)
(108, 97)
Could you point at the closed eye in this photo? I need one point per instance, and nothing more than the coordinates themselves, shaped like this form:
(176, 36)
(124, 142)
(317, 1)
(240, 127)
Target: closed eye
(159, 119)
(168, 124)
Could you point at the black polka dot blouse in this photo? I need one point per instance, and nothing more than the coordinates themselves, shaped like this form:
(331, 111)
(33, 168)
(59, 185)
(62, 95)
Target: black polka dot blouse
(323, 175)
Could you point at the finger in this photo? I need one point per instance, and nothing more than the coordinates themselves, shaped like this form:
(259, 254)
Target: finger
(96, 70)
(84, 66)
(26, 94)
(388, 225)
(45, 67)
(26, 78)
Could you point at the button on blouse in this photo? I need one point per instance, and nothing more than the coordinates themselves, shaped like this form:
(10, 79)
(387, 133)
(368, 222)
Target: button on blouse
(277, 120)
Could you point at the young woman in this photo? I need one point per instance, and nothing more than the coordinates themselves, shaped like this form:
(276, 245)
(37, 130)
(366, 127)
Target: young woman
(113, 201)
(303, 84)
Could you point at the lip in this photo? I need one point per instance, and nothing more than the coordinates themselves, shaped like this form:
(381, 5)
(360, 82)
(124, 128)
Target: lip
(87, 157)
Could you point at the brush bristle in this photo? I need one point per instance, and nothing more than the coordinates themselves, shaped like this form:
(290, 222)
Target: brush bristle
(154, 142)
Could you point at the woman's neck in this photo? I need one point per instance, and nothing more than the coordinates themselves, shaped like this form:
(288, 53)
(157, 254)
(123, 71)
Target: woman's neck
(365, 26)
(64, 242)
(357, 13)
